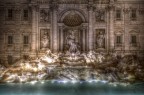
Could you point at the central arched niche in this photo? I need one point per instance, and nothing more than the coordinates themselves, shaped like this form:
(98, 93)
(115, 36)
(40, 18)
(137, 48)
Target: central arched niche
(70, 14)
(72, 19)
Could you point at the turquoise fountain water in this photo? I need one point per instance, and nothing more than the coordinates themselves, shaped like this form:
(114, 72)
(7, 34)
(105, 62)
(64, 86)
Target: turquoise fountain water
(81, 74)
(69, 88)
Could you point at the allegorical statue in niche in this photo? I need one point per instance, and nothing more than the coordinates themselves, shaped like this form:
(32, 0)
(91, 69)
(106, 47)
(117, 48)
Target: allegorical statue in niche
(44, 16)
(45, 40)
(71, 42)
(100, 40)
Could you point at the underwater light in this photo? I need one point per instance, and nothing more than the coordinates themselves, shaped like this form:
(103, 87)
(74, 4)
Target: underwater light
(73, 81)
(63, 81)
(33, 82)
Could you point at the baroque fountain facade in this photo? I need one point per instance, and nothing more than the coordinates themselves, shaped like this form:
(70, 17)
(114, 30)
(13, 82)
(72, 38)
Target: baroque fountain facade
(70, 40)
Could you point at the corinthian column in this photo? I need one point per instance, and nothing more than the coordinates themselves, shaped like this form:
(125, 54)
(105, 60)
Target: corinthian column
(111, 26)
(90, 34)
(54, 28)
(126, 26)
(34, 28)
(84, 38)
(61, 37)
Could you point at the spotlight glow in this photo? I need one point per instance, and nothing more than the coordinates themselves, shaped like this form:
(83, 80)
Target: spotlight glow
(33, 82)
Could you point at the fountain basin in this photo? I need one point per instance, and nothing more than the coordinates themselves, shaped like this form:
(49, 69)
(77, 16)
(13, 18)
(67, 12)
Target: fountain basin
(69, 88)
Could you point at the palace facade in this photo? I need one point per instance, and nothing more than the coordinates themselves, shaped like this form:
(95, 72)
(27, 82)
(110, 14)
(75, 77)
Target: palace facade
(29, 27)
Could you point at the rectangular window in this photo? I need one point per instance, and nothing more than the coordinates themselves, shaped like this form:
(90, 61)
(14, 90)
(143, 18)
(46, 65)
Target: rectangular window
(26, 40)
(10, 59)
(1, 61)
(25, 14)
(133, 14)
(119, 39)
(133, 39)
(10, 40)
(10, 14)
(25, 57)
(118, 14)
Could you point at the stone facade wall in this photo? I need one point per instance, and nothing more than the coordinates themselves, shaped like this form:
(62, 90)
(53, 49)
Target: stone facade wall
(42, 20)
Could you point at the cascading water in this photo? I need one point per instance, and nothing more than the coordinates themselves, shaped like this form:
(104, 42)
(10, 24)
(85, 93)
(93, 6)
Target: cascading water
(72, 67)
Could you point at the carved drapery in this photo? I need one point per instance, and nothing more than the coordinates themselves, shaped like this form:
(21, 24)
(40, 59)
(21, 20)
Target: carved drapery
(100, 38)
(80, 34)
(72, 41)
(44, 39)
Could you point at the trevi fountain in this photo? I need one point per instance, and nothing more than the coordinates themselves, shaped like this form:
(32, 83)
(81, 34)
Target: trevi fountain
(76, 66)
(71, 47)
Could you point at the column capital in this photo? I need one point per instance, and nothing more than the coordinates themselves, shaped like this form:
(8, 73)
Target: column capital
(34, 6)
(126, 10)
(112, 2)
(61, 24)
(111, 5)
(54, 6)
(91, 7)
(61, 27)
(84, 27)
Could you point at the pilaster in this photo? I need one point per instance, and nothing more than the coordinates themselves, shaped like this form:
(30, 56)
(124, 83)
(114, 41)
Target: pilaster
(111, 25)
(54, 27)
(34, 35)
(90, 26)
(126, 31)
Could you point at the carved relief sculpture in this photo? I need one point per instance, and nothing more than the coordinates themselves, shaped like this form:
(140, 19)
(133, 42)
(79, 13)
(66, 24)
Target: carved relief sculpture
(71, 42)
(100, 15)
(44, 16)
